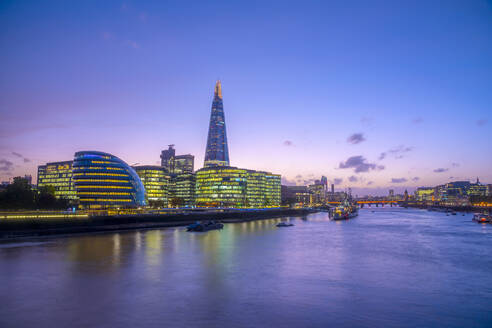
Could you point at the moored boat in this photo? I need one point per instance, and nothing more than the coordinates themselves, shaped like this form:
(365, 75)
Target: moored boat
(482, 218)
(284, 224)
(345, 211)
(200, 226)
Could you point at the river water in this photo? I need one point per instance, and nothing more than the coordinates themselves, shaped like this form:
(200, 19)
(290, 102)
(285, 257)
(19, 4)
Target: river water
(388, 267)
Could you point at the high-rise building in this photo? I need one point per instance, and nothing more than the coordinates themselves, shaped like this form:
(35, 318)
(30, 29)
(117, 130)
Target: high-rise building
(217, 152)
(59, 176)
(177, 164)
(103, 180)
(167, 158)
(184, 164)
(156, 183)
(227, 186)
(391, 194)
(332, 188)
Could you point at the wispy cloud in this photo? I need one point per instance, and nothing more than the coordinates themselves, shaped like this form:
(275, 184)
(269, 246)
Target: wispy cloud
(337, 181)
(417, 120)
(24, 159)
(455, 164)
(370, 183)
(415, 179)
(132, 44)
(441, 170)
(359, 164)
(6, 165)
(398, 180)
(396, 152)
(356, 138)
(288, 143)
(482, 122)
(353, 178)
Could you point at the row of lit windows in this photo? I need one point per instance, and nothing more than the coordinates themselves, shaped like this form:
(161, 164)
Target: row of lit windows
(98, 168)
(106, 180)
(104, 193)
(105, 187)
(104, 200)
(103, 174)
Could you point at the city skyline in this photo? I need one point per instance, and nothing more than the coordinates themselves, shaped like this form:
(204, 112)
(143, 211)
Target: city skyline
(387, 119)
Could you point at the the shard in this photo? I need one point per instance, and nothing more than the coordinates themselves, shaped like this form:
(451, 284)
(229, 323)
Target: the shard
(217, 153)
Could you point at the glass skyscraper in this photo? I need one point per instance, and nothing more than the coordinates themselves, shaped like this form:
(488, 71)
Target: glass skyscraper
(217, 152)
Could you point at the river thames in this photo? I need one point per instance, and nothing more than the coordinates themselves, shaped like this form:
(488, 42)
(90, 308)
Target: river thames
(389, 267)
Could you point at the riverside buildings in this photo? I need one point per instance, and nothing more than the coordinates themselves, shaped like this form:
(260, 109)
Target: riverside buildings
(59, 176)
(103, 180)
(99, 180)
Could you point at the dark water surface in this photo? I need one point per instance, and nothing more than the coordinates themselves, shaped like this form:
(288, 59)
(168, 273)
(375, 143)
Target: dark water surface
(387, 268)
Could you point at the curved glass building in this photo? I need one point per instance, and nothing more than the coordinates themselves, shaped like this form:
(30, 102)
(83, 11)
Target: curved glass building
(104, 180)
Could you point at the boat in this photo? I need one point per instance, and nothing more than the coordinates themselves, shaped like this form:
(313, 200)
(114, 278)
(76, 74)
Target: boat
(453, 213)
(345, 211)
(200, 226)
(482, 218)
(284, 224)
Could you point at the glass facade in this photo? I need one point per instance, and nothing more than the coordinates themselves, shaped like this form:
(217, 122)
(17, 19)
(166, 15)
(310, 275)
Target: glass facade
(155, 180)
(217, 152)
(103, 180)
(182, 190)
(225, 186)
(184, 164)
(58, 175)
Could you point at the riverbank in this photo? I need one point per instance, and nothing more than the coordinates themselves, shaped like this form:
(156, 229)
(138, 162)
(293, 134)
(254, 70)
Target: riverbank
(21, 228)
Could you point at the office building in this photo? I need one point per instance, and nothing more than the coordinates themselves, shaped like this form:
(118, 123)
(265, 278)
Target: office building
(225, 186)
(59, 176)
(424, 194)
(103, 180)
(177, 164)
(155, 180)
(217, 152)
(182, 190)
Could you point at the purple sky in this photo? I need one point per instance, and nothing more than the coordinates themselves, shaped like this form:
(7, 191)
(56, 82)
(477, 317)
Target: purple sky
(374, 95)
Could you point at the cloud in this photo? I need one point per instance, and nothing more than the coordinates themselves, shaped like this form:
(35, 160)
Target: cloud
(370, 183)
(396, 152)
(416, 179)
(353, 178)
(359, 164)
(440, 170)
(298, 176)
(286, 182)
(365, 120)
(356, 138)
(26, 160)
(398, 180)
(337, 181)
(6, 165)
(455, 164)
(288, 143)
(417, 120)
(482, 122)
(132, 44)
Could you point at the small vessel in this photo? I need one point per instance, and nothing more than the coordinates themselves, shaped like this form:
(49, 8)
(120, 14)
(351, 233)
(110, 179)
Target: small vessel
(345, 211)
(200, 226)
(284, 224)
(453, 213)
(482, 218)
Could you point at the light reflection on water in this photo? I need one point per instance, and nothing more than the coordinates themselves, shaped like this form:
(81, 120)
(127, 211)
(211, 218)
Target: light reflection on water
(390, 267)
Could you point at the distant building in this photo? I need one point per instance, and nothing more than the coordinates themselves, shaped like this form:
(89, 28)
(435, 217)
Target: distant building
(103, 180)
(332, 188)
(59, 176)
(225, 186)
(177, 164)
(317, 192)
(424, 194)
(155, 180)
(299, 195)
(391, 194)
(477, 189)
(217, 152)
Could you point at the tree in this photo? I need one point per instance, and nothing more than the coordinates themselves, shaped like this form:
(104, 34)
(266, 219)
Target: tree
(18, 195)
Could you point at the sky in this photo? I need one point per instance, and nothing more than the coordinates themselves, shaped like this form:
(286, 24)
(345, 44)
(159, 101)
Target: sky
(375, 95)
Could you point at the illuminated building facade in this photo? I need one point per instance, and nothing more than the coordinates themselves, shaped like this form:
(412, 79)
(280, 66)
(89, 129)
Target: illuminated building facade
(217, 152)
(317, 192)
(59, 176)
(423, 194)
(103, 180)
(155, 180)
(182, 190)
(225, 186)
